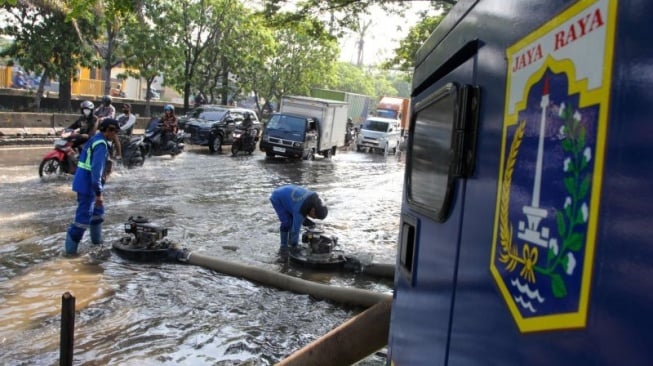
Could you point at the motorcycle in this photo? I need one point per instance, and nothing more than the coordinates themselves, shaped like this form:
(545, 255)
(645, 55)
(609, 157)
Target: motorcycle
(243, 140)
(350, 135)
(133, 150)
(63, 159)
(154, 142)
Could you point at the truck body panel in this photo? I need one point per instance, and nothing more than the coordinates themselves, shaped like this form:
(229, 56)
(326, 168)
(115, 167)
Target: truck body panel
(525, 235)
(304, 127)
(359, 104)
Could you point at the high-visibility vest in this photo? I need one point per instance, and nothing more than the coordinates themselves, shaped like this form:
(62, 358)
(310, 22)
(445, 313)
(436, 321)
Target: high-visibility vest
(86, 164)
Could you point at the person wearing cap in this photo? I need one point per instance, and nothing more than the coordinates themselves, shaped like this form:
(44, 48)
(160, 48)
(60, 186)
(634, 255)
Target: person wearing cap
(293, 205)
(89, 187)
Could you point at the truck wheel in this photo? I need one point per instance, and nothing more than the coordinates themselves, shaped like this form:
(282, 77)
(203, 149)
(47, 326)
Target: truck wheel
(215, 145)
(327, 154)
(359, 148)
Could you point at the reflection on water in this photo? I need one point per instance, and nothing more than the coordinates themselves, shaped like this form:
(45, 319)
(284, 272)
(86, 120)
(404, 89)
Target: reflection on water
(169, 314)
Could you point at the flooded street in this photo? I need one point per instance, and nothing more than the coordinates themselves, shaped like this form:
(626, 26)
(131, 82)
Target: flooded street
(133, 313)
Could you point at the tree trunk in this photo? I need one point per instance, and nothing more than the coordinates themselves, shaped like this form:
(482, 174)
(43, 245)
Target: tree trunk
(225, 86)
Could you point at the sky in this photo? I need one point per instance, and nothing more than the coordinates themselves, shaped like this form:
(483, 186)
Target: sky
(383, 35)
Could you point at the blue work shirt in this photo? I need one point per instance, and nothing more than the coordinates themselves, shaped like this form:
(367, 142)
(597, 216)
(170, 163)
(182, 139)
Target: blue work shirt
(92, 160)
(291, 198)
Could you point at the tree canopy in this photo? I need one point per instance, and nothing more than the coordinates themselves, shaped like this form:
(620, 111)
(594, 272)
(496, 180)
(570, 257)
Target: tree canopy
(221, 49)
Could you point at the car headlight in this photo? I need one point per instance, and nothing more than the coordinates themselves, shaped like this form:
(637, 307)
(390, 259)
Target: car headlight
(299, 145)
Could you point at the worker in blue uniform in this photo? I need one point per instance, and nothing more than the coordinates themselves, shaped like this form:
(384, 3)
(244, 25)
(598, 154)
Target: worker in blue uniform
(293, 205)
(88, 185)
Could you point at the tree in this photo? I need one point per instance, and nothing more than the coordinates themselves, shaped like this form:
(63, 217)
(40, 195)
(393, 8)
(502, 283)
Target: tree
(195, 25)
(113, 15)
(341, 14)
(417, 35)
(149, 45)
(32, 29)
(350, 78)
(235, 56)
(299, 61)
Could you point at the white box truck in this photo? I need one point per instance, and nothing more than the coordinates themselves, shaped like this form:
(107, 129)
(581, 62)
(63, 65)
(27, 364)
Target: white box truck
(304, 127)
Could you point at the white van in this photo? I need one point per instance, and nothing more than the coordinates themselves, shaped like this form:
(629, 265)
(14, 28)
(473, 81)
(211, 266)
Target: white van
(378, 133)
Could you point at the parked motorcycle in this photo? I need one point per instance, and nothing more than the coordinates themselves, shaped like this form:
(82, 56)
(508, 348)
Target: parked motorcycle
(243, 140)
(154, 141)
(63, 159)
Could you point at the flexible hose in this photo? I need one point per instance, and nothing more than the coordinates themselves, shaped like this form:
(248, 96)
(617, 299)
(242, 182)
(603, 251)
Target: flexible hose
(348, 296)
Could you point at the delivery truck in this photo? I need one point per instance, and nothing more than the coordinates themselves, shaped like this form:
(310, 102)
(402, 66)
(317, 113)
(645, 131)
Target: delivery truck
(394, 107)
(359, 104)
(526, 233)
(305, 127)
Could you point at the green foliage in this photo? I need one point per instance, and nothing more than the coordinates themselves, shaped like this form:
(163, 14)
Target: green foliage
(342, 14)
(417, 35)
(369, 81)
(32, 30)
(223, 48)
(298, 61)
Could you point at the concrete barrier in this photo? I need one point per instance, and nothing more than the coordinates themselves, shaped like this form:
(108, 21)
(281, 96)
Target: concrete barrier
(43, 124)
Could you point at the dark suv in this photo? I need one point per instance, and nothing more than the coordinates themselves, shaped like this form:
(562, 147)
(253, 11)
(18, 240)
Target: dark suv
(212, 125)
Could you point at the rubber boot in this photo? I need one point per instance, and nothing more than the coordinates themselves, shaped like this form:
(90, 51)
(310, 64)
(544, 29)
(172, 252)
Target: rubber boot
(284, 239)
(96, 234)
(70, 247)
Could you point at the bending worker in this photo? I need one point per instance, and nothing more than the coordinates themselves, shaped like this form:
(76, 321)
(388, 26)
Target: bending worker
(293, 205)
(88, 185)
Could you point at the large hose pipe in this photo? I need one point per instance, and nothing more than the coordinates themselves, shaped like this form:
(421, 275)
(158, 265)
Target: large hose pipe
(380, 270)
(347, 296)
(350, 342)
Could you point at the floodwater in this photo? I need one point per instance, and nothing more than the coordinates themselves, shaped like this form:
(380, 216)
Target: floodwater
(131, 313)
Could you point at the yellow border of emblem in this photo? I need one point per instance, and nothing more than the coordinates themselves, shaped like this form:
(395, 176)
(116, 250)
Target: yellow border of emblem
(600, 96)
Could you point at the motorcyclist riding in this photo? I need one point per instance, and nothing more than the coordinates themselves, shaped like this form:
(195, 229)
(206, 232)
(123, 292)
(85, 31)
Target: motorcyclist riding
(126, 120)
(87, 124)
(169, 121)
(106, 109)
(247, 125)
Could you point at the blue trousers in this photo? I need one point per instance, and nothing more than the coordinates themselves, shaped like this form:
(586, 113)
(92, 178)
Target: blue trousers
(86, 216)
(285, 227)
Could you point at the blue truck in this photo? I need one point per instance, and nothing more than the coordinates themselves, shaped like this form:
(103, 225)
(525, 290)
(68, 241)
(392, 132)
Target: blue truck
(526, 234)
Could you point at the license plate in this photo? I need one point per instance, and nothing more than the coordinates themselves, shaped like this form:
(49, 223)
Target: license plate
(279, 149)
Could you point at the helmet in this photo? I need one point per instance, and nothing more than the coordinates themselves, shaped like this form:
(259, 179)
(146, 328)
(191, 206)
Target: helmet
(106, 99)
(87, 104)
(169, 108)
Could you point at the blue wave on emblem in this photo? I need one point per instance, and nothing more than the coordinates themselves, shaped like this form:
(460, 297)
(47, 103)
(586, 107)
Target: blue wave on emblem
(524, 289)
(524, 304)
